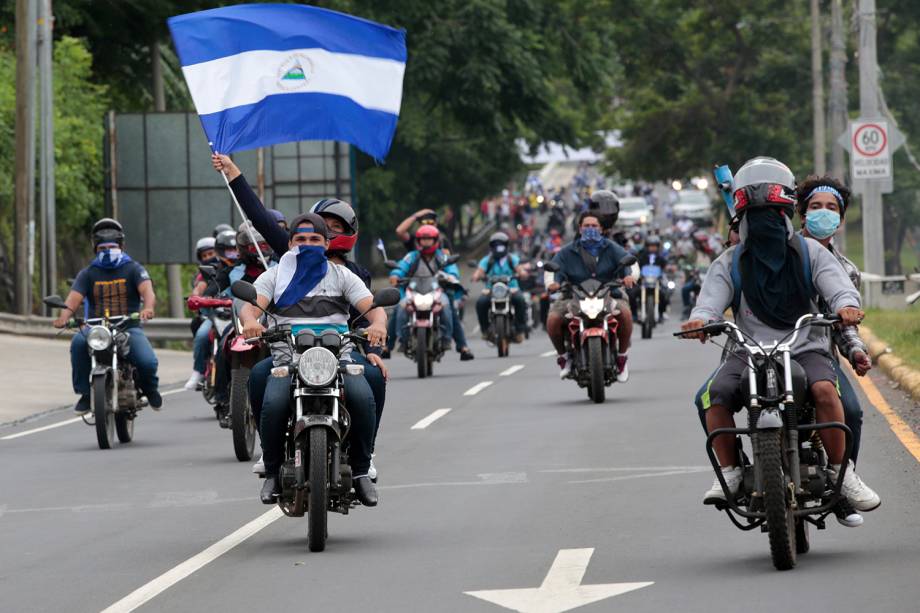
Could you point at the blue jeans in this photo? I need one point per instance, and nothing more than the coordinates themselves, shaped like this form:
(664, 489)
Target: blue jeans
(258, 379)
(378, 385)
(446, 320)
(201, 347)
(359, 400)
(141, 355)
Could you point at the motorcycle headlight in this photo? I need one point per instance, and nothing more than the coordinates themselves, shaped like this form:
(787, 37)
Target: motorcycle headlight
(99, 338)
(317, 367)
(671, 285)
(591, 307)
(423, 302)
(500, 291)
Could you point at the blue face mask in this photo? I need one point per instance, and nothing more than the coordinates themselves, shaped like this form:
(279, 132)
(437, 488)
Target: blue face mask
(822, 223)
(592, 240)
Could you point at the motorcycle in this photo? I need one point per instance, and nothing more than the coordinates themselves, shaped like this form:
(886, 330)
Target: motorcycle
(788, 485)
(315, 476)
(693, 277)
(114, 396)
(501, 316)
(649, 298)
(220, 316)
(592, 328)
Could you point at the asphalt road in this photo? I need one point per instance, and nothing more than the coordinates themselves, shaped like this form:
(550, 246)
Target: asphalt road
(483, 498)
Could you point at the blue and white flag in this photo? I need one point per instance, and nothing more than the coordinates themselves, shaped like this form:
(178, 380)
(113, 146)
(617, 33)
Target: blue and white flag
(262, 74)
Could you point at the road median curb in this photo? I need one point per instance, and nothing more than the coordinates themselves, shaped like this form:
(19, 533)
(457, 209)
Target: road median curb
(906, 376)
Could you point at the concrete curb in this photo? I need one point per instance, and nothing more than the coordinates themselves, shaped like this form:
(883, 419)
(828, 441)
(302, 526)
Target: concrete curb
(907, 377)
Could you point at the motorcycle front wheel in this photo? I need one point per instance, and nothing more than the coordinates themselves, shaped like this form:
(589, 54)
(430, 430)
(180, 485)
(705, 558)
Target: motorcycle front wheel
(104, 409)
(596, 387)
(124, 427)
(318, 490)
(421, 351)
(242, 423)
(648, 319)
(780, 519)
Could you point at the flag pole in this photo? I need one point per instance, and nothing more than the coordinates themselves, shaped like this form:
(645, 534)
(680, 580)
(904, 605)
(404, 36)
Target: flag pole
(248, 224)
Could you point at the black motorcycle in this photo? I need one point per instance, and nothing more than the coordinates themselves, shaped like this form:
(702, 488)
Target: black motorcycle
(501, 313)
(115, 396)
(788, 486)
(315, 477)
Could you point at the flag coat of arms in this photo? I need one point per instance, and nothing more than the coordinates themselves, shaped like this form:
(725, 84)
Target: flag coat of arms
(261, 74)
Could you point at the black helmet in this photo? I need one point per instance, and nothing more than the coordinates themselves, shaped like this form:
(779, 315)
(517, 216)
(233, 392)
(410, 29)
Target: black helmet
(221, 227)
(606, 204)
(107, 230)
(764, 181)
(225, 245)
(340, 209)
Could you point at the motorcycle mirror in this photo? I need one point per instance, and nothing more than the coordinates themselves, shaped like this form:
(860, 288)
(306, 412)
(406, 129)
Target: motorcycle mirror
(207, 270)
(472, 263)
(245, 291)
(386, 297)
(54, 301)
(452, 259)
(551, 266)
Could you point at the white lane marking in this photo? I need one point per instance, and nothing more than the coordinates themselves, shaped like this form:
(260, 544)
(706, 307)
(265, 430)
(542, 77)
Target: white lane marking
(547, 354)
(427, 421)
(10, 437)
(510, 371)
(476, 329)
(173, 576)
(477, 388)
(561, 590)
(175, 391)
(643, 475)
(617, 469)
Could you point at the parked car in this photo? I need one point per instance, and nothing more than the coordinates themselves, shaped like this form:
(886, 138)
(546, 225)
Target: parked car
(635, 211)
(694, 205)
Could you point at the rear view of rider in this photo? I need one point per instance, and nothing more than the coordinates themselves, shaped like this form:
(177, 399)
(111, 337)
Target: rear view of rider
(112, 285)
(201, 325)
(501, 263)
(774, 295)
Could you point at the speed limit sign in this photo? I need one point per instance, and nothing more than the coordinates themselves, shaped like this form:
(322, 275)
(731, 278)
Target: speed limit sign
(870, 153)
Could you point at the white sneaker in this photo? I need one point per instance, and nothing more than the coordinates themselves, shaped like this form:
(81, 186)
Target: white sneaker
(372, 471)
(846, 516)
(857, 493)
(733, 477)
(622, 369)
(193, 381)
(259, 467)
(565, 363)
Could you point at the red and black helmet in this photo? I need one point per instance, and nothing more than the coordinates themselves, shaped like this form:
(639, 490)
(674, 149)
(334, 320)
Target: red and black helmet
(764, 182)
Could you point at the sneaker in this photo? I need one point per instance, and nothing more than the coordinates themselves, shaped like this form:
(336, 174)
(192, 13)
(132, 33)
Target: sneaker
(733, 477)
(466, 355)
(155, 400)
(194, 381)
(622, 369)
(846, 515)
(856, 492)
(82, 407)
(565, 364)
(372, 470)
(259, 467)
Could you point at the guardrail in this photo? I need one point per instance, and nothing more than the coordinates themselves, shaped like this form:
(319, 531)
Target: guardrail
(160, 329)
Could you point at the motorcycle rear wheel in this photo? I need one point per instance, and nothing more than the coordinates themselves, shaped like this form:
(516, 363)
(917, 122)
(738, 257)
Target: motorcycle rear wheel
(242, 422)
(103, 410)
(421, 352)
(317, 497)
(596, 387)
(780, 519)
(648, 320)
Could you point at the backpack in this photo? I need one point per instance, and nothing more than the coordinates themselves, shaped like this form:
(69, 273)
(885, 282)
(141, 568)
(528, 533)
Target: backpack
(800, 247)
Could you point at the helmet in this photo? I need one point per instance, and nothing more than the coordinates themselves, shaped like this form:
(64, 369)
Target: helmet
(606, 204)
(242, 235)
(107, 230)
(221, 227)
(498, 243)
(428, 231)
(428, 218)
(225, 245)
(203, 244)
(247, 248)
(654, 239)
(277, 215)
(342, 211)
(764, 181)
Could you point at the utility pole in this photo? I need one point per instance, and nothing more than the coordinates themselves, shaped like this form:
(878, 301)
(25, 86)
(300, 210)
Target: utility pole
(26, 16)
(46, 151)
(817, 91)
(173, 271)
(872, 217)
(837, 103)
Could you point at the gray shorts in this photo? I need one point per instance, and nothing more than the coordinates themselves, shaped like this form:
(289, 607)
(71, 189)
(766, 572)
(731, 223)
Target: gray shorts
(725, 387)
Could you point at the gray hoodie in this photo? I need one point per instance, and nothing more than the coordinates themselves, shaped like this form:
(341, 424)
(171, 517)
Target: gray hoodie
(829, 278)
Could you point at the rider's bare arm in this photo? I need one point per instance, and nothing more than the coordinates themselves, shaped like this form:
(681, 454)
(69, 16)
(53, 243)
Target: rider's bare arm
(145, 289)
(72, 301)
(249, 317)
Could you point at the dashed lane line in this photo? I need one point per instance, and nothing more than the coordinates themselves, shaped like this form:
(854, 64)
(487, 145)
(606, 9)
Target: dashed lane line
(547, 354)
(477, 388)
(427, 421)
(510, 371)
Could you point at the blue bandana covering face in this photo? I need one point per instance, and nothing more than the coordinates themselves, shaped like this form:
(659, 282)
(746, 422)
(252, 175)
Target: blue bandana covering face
(822, 223)
(299, 271)
(592, 240)
(111, 258)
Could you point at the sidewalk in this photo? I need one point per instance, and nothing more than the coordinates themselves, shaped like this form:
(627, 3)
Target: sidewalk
(35, 374)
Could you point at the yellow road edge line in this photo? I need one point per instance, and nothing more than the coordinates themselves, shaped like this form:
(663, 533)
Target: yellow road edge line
(901, 428)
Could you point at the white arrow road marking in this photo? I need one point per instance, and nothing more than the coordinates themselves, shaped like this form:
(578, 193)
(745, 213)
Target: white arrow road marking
(173, 576)
(512, 370)
(477, 388)
(561, 589)
(427, 421)
(546, 354)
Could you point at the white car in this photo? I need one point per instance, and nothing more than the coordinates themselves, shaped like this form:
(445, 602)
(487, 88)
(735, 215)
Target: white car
(694, 205)
(634, 211)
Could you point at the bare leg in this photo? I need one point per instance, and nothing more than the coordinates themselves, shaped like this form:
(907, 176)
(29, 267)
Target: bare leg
(718, 416)
(555, 327)
(829, 408)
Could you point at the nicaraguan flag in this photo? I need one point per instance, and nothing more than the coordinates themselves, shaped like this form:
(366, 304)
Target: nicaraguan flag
(261, 74)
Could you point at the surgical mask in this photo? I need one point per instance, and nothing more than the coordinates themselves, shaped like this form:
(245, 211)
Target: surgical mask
(822, 223)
